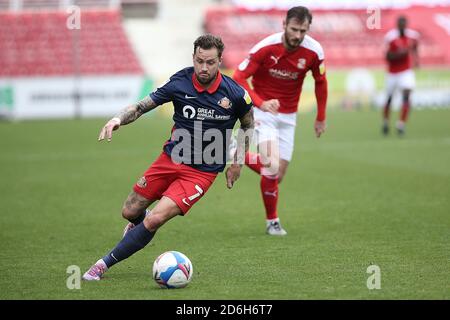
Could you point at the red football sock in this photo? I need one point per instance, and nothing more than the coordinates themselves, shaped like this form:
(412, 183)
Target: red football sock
(405, 111)
(253, 161)
(269, 190)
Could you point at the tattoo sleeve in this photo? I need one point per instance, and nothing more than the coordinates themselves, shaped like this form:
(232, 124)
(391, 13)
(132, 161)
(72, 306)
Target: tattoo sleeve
(131, 113)
(244, 137)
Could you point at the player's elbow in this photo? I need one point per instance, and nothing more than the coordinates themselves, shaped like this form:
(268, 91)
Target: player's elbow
(321, 82)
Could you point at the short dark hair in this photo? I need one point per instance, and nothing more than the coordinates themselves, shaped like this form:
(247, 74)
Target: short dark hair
(300, 13)
(208, 41)
(402, 17)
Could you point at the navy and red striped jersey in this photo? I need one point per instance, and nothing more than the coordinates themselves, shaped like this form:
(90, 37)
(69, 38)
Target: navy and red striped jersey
(204, 119)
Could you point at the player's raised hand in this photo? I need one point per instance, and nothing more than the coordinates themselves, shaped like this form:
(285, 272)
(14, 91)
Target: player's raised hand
(108, 128)
(232, 174)
(319, 127)
(271, 106)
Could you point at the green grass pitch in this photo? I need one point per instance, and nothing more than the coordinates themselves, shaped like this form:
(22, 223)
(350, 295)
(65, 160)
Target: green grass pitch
(351, 199)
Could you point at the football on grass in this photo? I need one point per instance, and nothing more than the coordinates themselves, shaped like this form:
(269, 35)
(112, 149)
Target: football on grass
(172, 269)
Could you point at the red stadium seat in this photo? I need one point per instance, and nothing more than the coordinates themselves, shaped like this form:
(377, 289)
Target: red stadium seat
(39, 43)
(350, 43)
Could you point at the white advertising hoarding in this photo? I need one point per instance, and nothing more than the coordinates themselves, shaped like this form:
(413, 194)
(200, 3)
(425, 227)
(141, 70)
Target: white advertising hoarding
(64, 97)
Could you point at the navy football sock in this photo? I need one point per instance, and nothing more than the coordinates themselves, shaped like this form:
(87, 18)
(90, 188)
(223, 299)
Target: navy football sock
(135, 239)
(139, 219)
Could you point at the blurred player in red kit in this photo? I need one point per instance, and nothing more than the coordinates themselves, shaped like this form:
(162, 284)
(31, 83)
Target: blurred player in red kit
(278, 65)
(401, 57)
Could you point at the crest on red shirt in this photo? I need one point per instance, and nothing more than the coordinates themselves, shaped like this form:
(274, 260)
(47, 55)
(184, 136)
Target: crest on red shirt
(301, 63)
(224, 103)
(142, 183)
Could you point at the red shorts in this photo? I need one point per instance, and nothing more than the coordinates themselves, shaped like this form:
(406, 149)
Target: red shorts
(179, 182)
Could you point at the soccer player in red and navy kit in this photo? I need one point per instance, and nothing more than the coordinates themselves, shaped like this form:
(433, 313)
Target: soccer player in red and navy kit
(278, 65)
(207, 104)
(401, 57)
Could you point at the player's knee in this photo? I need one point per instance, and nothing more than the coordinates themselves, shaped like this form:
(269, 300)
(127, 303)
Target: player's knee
(406, 99)
(128, 213)
(406, 95)
(273, 166)
(154, 221)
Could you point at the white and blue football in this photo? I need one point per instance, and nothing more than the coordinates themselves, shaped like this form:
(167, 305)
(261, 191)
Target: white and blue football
(172, 269)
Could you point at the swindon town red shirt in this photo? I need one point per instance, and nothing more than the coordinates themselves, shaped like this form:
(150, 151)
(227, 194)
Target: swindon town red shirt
(278, 73)
(396, 42)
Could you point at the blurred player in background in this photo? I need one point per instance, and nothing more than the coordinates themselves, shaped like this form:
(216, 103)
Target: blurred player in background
(277, 65)
(202, 96)
(401, 57)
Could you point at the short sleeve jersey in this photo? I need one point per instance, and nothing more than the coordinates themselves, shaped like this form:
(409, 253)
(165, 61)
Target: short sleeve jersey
(203, 119)
(278, 73)
(394, 42)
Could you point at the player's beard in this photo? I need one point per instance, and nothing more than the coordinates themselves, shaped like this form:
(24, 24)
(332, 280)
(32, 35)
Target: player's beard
(294, 43)
(205, 80)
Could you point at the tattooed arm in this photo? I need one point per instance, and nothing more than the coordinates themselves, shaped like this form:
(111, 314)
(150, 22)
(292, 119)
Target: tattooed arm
(126, 116)
(136, 110)
(244, 137)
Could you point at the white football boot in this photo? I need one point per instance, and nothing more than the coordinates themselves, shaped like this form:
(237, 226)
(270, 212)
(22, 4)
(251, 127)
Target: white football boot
(400, 126)
(274, 228)
(95, 273)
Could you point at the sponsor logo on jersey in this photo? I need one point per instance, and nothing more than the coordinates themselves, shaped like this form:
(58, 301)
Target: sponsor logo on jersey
(189, 112)
(205, 113)
(275, 59)
(301, 63)
(283, 74)
(225, 103)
